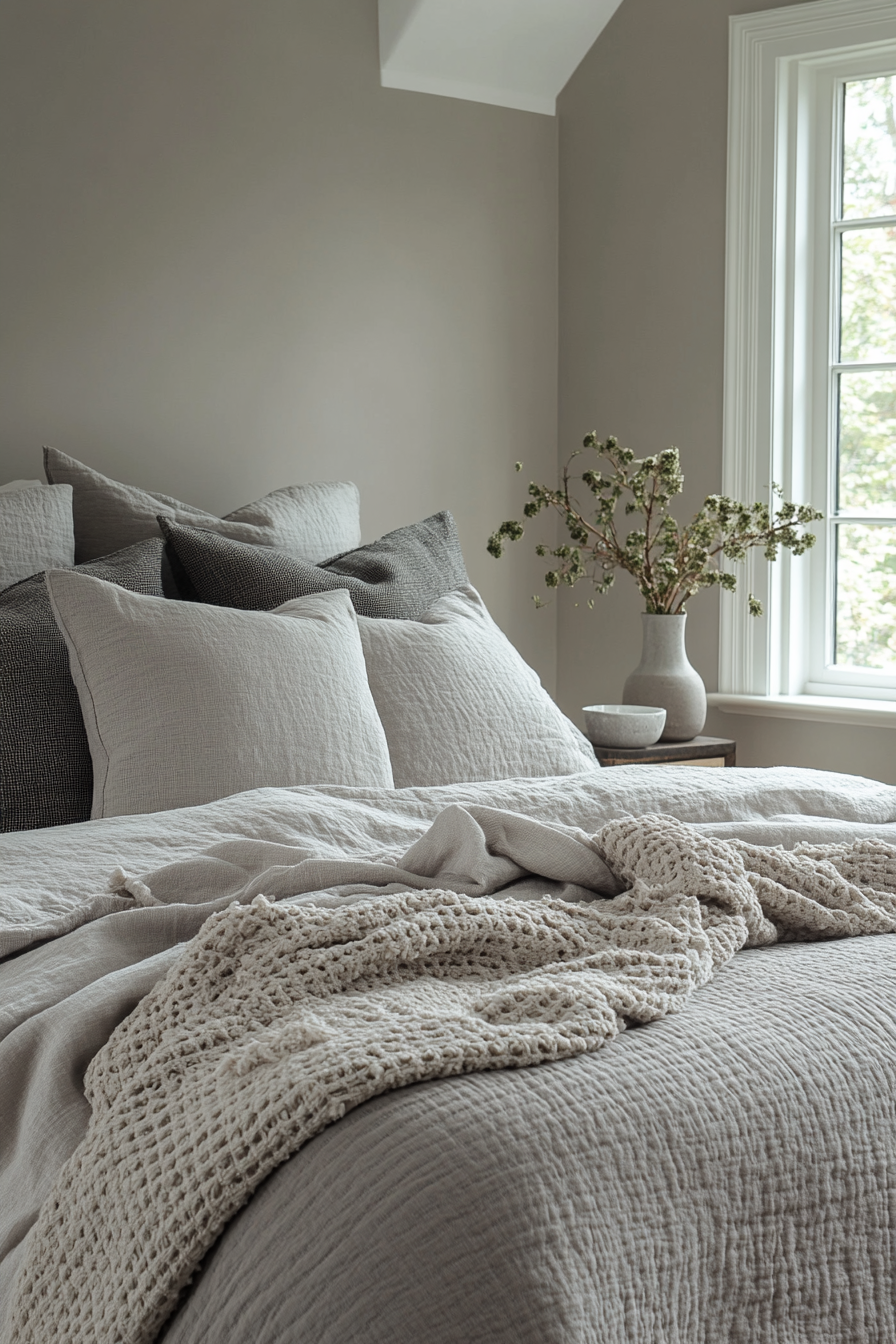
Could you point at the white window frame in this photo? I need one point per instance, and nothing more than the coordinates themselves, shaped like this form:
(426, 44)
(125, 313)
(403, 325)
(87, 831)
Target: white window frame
(783, 66)
(826, 78)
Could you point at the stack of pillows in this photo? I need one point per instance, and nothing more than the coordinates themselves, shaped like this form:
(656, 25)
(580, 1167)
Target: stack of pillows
(277, 663)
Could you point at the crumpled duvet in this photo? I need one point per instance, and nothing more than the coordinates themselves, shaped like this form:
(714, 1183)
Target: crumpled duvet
(55, 880)
(128, 951)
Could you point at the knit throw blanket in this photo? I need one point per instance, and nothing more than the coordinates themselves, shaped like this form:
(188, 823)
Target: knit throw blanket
(278, 1019)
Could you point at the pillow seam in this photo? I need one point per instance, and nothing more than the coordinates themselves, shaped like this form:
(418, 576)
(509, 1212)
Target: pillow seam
(71, 644)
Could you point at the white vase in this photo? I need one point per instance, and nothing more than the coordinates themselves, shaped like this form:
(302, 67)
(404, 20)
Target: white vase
(665, 678)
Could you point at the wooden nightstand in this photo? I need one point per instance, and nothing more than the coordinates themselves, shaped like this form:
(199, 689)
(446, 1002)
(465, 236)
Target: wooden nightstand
(699, 751)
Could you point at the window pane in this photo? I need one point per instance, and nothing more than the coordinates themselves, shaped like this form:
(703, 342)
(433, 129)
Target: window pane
(868, 295)
(866, 596)
(867, 444)
(869, 148)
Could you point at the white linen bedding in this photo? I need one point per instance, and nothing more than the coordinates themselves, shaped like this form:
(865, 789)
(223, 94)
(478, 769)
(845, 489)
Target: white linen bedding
(60, 1001)
(52, 880)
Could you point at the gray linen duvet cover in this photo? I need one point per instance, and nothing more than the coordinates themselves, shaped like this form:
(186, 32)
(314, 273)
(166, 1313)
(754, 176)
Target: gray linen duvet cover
(729, 1173)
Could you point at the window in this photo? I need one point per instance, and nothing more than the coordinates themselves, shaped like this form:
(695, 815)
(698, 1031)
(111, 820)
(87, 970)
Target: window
(810, 379)
(860, 633)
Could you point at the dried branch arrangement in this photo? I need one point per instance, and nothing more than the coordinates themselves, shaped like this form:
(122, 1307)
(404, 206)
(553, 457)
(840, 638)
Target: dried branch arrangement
(669, 563)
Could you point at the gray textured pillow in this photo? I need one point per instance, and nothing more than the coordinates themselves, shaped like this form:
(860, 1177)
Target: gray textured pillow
(46, 777)
(35, 531)
(397, 577)
(458, 703)
(185, 703)
(311, 521)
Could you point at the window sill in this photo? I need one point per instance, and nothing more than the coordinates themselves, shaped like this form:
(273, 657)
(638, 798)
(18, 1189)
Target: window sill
(812, 708)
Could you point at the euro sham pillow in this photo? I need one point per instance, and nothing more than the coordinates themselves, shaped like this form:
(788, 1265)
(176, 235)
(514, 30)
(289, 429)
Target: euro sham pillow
(396, 577)
(184, 703)
(310, 521)
(459, 704)
(36, 531)
(46, 778)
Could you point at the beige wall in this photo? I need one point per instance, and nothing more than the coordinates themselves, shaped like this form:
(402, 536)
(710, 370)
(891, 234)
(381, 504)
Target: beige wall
(643, 127)
(230, 261)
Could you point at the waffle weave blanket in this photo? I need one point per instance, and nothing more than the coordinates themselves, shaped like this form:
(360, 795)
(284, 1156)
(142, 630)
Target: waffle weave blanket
(277, 1019)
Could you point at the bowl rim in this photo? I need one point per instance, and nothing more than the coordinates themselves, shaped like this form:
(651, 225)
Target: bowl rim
(637, 711)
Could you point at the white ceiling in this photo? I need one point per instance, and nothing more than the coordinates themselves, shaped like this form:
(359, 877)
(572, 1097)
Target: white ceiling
(516, 53)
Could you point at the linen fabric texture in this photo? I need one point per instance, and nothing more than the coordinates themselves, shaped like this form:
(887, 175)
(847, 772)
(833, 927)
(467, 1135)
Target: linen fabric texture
(458, 703)
(310, 521)
(581, 1223)
(53, 882)
(276, 1020)
(396, 577)
(36, 530)
(46, 778)
(184, 704)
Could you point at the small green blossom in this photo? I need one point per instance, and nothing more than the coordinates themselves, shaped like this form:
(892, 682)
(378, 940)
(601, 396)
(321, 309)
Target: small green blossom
(669, 563)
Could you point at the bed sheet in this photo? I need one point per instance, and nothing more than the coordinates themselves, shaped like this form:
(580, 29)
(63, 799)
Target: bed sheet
(709, 1152)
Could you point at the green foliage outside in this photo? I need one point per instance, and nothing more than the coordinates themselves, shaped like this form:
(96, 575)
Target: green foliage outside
(866, 484)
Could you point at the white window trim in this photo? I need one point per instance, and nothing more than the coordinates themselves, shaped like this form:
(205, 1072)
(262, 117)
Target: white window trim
(762, 667)
(811, 708)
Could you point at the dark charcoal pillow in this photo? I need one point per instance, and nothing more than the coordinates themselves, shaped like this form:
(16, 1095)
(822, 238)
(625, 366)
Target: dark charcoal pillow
(46, 777)
(397, 577)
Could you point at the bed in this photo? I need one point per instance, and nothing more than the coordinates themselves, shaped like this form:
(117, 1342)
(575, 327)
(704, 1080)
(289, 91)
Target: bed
(722, 1169)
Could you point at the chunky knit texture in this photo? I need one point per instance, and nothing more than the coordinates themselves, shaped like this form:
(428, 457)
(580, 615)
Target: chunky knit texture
(278, 1019)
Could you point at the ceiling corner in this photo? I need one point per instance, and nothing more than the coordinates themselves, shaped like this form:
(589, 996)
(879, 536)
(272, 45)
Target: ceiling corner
(513, 53)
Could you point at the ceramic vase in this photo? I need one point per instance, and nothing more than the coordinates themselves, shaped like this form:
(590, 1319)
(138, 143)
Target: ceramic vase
(665, 678)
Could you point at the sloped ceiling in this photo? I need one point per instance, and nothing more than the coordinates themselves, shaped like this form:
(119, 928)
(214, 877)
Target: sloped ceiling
(516, 53)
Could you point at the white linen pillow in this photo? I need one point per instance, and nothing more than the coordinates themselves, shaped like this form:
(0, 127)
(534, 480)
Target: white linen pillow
(185, 703)
(458, 703)
(36, 530)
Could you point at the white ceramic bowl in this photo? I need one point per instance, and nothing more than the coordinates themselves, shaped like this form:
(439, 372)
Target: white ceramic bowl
(624, 725)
